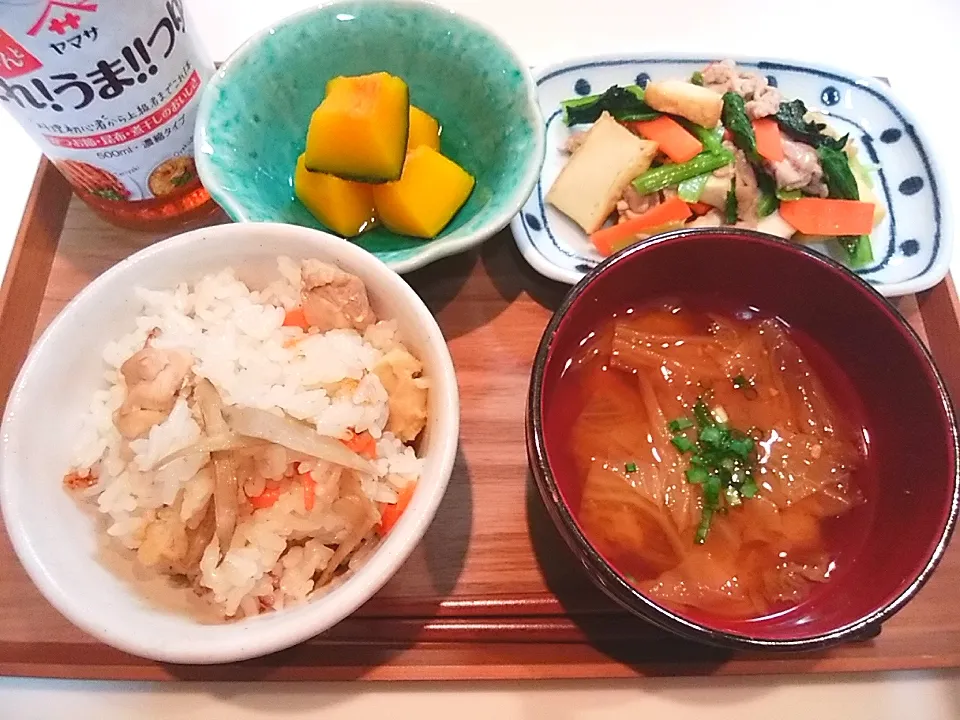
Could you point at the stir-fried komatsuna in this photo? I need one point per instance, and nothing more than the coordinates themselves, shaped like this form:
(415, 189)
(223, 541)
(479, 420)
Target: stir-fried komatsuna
(722, 147)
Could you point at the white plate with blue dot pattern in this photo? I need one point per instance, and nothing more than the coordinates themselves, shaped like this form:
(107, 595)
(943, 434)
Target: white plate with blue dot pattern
(912, 246)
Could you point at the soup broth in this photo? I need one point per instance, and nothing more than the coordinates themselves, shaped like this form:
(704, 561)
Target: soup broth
(719, 470)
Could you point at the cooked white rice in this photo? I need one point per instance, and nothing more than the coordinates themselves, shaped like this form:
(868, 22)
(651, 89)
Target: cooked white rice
(237, 339)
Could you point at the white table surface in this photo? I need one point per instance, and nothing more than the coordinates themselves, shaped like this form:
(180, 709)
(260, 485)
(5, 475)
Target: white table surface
(913, 43)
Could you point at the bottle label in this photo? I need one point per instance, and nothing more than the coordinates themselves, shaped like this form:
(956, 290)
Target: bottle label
(109, 89)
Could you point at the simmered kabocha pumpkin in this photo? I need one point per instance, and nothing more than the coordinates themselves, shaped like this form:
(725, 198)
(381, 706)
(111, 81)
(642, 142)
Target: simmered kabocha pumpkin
(360, 129)
(427, 195)
(424, 130)
(344, 206)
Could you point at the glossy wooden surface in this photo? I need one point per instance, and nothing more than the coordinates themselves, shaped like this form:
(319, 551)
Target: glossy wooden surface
(491, 592)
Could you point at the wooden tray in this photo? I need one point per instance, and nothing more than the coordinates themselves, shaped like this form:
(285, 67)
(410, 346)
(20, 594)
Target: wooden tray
(492, 591)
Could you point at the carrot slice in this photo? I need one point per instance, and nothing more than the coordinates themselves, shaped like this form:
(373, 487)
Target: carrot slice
(296, 318)
(828, 216)
(700, 208)
(769, 142)
(269, 496)
(389, 514)
(362, 444)
(309, 491)
(674, 140)
(609, 240)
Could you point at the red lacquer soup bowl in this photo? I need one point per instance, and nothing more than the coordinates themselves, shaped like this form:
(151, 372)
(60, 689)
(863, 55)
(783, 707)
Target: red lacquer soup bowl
(902, 397)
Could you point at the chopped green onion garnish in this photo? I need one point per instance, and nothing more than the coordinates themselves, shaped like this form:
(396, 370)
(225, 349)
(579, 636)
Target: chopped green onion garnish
(704, 526)
(711, 435)
(704, 418)
(740, 382)
(721, 462)
(697, 77)
(696, 475)
(733, 496)
(741, 446)
(711, 490)
(630, 467)
(680, 424)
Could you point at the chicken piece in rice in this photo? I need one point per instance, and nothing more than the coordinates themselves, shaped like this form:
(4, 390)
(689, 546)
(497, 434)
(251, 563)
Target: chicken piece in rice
(218, 455)
(334, 299)
(400, 372)
(153, 380)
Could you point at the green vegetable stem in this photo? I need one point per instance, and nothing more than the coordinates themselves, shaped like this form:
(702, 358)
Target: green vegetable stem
(731, 206)
(674, 174)
(735, 120)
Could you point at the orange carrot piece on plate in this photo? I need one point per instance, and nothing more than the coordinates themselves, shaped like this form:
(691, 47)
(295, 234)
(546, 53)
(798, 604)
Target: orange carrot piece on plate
(769, 142)
(609, 240)
(828, 216)
(674, 140)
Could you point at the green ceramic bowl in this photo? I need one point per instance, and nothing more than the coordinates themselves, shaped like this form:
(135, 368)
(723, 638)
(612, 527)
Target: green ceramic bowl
(253, 116)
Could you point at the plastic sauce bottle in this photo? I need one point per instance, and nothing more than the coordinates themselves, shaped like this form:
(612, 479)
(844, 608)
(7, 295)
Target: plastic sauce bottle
(109, 89)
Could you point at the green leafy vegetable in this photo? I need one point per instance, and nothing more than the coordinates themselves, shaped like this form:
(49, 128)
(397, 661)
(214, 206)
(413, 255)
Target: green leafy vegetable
(630, 467)
(790, 118)
(623, 103)
(722, 462)
(767, 201)
(735, 120)
(730, 206)
(837, 173)
(674, 174)
(843, 185)
(691, 189)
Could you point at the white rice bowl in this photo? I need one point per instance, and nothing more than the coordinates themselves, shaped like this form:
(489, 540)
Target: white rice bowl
(45, 433)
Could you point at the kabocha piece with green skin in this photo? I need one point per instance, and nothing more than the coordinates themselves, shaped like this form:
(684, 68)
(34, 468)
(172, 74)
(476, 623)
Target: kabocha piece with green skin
(359, 131)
